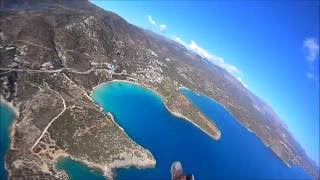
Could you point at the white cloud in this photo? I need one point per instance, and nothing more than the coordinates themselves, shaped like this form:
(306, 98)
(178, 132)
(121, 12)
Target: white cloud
(179, 40)
(219, 61)
(161, 27)
(242, 82)
(311, 50)
(151, 20)
(311, 47)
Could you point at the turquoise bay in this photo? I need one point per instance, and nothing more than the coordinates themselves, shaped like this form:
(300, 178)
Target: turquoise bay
(238, 154)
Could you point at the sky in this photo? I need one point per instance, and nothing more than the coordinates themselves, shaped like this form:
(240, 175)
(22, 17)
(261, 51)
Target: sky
(271, 47)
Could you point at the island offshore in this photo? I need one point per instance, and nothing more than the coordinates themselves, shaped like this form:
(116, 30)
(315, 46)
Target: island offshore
(53, 55)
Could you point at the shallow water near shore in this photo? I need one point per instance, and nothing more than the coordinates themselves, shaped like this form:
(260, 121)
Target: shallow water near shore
(78, 171)
(7, 116)
(142, 114)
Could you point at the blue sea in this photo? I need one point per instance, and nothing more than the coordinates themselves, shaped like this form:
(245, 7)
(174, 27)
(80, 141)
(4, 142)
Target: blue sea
(238, 154)
(7, 116)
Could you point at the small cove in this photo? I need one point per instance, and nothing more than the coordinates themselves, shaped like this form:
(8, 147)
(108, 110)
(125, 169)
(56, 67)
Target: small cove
(76, 170)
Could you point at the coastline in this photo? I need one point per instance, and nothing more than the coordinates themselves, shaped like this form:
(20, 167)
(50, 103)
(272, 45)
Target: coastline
(10, 105)
(189, 120)
(177, 114)
(108, 169)
(10, 129)
(242, 124)
(61, 155)
(132, 82)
